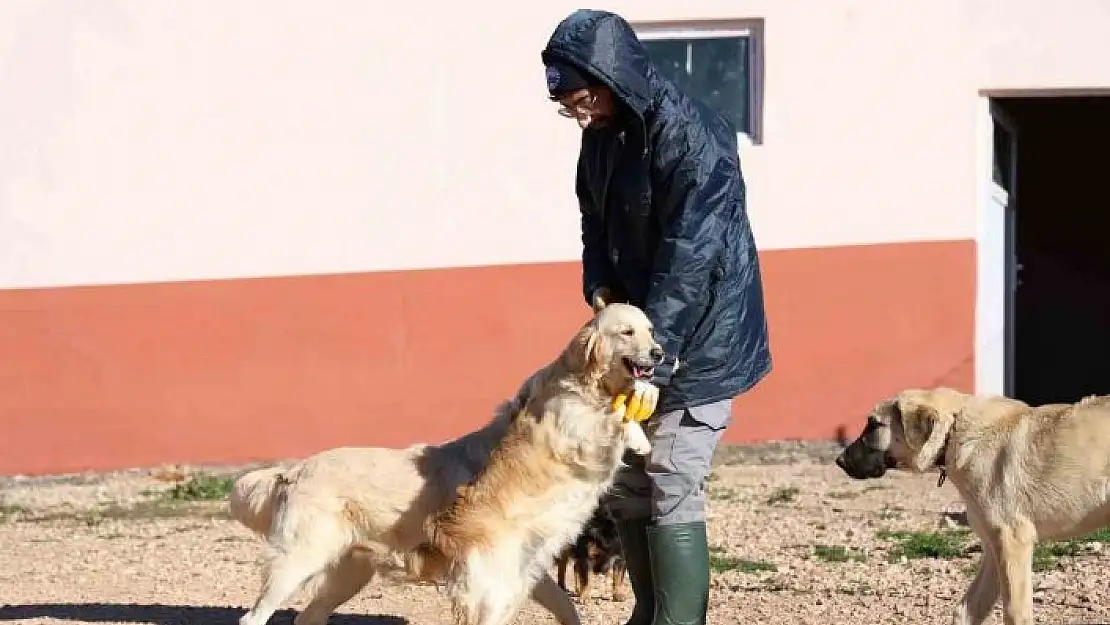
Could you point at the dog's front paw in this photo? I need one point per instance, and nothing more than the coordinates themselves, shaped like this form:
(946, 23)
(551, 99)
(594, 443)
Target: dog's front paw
(637, 440)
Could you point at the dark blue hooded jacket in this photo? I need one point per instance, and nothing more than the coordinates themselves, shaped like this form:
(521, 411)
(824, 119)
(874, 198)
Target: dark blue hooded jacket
(664, 221)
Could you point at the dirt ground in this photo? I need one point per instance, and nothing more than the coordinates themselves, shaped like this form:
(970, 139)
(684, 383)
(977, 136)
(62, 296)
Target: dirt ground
(794, 541)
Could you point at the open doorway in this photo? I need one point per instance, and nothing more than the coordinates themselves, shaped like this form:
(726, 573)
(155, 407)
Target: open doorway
(1058, 244)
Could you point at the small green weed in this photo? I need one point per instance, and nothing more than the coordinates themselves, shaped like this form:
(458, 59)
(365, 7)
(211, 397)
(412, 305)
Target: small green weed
(783, 495)
(1047, 555)
(916, 545)
(719, 563)
(836, 553)
(890, 512)
(721, 493)
(11, 511)
(200, 487)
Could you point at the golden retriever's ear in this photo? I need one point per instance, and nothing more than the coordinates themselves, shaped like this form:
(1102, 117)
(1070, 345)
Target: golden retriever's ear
(600, 298)
(925, 429)
(603, 296)
(584, 351)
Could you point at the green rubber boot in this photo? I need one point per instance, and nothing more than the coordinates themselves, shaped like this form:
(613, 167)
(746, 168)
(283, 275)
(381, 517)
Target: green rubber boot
(680, 572)
(637, 559)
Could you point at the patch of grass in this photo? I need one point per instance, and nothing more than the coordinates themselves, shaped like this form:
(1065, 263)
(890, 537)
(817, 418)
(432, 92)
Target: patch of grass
(952, 544)
(783, 495)
(836, 553)
(200, 487)
(890, 512)
(143, 510)
(232, 539)
(721, 493)
(719, 563)
(917, 545)
(11, 511)
(1098, 536)
(771, 584)
(1046, 555)
(863, 588)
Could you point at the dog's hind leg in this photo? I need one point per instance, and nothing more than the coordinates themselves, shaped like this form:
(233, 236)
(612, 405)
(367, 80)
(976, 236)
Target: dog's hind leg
(301, 547)
(555, 600)
(281, 577)
(338, 584)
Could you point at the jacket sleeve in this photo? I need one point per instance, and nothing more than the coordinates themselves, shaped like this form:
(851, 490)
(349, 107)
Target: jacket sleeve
(697, 181)
(597, 270)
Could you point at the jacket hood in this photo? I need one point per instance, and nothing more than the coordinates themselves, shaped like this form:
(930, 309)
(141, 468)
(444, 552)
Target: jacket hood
(604, 44)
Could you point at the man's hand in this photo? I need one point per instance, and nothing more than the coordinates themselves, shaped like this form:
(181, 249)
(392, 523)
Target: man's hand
(640, 405)
(665, 370)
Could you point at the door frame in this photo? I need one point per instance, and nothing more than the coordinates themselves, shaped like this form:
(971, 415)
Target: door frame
(996, 252)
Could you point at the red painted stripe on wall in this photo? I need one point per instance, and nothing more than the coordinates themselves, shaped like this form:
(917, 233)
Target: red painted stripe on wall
(243, 370)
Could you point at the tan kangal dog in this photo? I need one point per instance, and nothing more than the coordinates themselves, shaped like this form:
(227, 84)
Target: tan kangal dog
(542, 483)
(335, 519)
(1025, 473)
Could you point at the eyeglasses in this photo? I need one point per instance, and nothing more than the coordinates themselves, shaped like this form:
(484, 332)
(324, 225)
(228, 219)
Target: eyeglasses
(584, 106)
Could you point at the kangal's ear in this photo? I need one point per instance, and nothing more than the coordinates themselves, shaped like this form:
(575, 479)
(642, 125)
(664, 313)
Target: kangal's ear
(925, 429)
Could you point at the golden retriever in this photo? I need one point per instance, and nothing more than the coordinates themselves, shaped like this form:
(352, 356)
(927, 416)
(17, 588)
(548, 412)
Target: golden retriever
(335, 519)
(541, 484)
(1025, 473)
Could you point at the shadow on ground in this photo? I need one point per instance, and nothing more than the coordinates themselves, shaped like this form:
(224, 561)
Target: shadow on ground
(168, 614)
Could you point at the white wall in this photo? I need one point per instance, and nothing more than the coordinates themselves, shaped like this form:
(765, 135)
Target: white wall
(180, 140)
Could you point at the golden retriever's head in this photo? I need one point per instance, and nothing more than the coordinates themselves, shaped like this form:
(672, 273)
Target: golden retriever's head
(614, 348)
(908, 431)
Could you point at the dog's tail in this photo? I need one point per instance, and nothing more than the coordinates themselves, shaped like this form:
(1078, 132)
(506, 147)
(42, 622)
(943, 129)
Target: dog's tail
(255, 497)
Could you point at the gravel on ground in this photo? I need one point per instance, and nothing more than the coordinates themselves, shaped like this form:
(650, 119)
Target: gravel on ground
(793, 541)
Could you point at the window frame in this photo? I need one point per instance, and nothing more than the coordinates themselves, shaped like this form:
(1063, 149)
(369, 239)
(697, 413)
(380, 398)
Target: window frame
(706, 29)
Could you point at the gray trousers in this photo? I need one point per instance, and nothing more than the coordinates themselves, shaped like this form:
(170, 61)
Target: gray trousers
(668, 485)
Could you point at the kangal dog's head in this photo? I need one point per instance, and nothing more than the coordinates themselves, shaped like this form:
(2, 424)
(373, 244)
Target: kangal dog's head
(908, 431)
(614, 349)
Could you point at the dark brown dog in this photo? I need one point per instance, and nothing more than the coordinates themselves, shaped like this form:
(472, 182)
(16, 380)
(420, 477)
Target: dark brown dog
(597, 550)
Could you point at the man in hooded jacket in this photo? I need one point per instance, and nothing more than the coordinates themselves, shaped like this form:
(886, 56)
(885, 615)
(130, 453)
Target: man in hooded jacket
(664, 227)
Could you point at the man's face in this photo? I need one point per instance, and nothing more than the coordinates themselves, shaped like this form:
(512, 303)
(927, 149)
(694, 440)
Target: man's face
(591, 107)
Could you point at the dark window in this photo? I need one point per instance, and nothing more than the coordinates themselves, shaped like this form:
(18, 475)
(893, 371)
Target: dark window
(719, 69)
